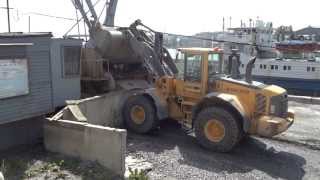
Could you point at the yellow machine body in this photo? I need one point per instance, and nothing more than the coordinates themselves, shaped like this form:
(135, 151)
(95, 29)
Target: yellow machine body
(261, 109)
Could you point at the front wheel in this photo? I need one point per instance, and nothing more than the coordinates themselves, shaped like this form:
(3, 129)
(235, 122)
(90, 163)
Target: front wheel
(139, 114)
(217, 129)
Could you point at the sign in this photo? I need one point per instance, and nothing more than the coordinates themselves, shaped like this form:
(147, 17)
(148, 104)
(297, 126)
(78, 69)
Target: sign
(13, 77)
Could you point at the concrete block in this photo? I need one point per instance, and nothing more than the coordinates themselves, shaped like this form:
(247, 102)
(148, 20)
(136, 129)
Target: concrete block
(89, 142)
(99, 110)
(1, 176)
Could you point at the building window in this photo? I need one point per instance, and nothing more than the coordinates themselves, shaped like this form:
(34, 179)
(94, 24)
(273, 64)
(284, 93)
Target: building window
(242, 65)
(313, 69)
(260, 66)
(272, 67)
(308, 68)
(264, 66)
(276, 67)
(71, 60)
(289, 68)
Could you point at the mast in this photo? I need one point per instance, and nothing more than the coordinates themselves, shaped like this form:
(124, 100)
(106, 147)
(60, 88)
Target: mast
(8, 14)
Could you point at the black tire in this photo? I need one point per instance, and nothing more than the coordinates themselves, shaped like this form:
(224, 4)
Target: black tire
(232, 129)
(150, 119)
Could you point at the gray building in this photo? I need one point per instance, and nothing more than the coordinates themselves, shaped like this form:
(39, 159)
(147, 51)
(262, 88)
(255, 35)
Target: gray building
(37, 74)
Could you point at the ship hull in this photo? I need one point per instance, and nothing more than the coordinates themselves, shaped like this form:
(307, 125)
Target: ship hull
(295, 86)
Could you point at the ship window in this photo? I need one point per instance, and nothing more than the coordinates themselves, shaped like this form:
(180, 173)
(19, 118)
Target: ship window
(308, 68)
(276, 67)
(313, 69)
(272, 67)
(284, 67)
(289, 68)
(260, 66)
(264, 66)
(242, 65)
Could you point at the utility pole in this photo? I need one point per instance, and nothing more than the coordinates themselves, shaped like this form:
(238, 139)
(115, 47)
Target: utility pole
(8, 14)
(29, 24)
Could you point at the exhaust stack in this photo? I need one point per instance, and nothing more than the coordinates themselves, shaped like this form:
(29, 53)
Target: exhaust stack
(248, 75)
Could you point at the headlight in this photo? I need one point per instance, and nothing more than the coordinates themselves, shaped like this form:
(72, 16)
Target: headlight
(279, 105)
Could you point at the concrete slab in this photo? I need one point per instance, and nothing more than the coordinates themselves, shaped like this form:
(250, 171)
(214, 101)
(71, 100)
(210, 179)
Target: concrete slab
(100, 110)
(306, 128)
(89, 142)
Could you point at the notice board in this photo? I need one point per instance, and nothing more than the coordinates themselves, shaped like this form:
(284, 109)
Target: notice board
(14, 79)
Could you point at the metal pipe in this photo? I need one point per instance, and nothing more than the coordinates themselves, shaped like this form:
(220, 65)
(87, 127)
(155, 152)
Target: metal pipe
(110, 12)
(93, 12)
(83, 13)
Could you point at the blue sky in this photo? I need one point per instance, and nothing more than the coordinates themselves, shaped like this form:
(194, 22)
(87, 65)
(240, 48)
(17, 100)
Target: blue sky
(175, 16)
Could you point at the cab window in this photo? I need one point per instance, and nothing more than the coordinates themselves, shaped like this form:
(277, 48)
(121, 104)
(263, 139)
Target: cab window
(180, 61)
(213, 63)
(192, 67)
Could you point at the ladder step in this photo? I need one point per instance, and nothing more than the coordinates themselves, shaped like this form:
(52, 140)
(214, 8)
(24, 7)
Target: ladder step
(188, 112)
(190, 103)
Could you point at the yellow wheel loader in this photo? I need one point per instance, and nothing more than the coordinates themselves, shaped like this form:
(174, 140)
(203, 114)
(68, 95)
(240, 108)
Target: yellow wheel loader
(144, 86)
(220, 109)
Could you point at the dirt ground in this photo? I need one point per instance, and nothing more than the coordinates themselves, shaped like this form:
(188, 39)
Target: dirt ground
(34, 163)
(294, 155)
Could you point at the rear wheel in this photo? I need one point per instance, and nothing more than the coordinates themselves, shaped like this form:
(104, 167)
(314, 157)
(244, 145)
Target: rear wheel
(139, 114)
(217, 129)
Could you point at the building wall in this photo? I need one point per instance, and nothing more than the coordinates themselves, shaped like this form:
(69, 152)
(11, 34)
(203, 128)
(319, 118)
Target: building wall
(39, 100)
(64, 88)
(28, 131)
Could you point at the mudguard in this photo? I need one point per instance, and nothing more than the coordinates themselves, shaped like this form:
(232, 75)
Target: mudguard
(226, 99)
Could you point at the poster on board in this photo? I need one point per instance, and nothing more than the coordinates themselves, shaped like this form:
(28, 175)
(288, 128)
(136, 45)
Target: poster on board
(13, 77)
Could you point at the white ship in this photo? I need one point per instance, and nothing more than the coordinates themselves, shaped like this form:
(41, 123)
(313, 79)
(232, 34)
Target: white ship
(294, 65)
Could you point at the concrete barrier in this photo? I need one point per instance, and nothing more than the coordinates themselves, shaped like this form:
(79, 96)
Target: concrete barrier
(99, 110)
(105, 145)
(304, 99)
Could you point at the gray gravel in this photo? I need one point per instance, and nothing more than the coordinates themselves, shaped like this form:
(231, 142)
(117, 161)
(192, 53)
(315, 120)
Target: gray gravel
(175, 155)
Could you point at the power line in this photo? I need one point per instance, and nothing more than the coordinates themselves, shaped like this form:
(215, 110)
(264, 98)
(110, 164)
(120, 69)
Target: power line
(51, 16)
(42, 14)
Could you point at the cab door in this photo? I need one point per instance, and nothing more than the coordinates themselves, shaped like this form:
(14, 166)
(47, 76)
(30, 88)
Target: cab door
(193, 84)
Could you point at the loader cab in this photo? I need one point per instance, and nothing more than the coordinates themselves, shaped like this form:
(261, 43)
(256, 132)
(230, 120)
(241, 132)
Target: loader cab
(196, 66)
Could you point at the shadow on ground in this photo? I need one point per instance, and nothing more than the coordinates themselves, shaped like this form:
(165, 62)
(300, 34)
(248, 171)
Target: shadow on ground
(34, 162)
(251, 154)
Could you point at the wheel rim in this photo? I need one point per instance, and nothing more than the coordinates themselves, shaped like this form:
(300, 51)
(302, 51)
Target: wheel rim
(138, 114)
(214, 130)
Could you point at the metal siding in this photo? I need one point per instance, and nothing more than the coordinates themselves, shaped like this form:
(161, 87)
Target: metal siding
(63, 88)
(39, 100)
